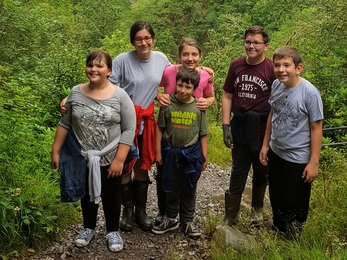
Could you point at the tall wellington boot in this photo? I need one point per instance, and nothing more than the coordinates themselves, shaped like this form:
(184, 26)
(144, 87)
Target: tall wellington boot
(127, 221)
(232, 207)
(141, 218)
(258, 194)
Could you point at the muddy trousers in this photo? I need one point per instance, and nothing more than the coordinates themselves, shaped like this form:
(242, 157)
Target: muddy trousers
(111, 202)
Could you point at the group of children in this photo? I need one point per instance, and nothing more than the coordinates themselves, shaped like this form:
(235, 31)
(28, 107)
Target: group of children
(103, 121)
(106, 157)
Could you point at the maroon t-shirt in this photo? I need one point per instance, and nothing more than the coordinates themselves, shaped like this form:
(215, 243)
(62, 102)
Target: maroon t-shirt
(250, 86)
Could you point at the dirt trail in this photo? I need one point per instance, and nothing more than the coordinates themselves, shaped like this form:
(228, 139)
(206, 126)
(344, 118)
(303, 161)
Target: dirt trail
(140, 245)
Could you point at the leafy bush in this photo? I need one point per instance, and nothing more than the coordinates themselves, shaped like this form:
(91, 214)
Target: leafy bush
(328, 199)
(30, 209)
(43, 47)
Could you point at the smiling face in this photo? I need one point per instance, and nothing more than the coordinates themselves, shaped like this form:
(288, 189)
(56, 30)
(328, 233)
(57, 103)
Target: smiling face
(143, 42)
(190, 56)
(97, 71)
(286, 71)
(255, 48)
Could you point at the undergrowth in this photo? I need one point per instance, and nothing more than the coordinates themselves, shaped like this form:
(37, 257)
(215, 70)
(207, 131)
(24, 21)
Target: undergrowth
(218, 153)
(324, 234)
(31, 213)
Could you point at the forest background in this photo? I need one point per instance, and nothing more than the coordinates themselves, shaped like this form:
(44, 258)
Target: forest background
(43, 45)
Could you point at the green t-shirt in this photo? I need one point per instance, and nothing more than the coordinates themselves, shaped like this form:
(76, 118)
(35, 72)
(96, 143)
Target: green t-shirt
(182, 123)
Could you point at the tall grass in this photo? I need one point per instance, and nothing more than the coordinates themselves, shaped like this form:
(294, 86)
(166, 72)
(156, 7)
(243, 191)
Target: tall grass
(31, 213)
(324, 234)
(218, 153)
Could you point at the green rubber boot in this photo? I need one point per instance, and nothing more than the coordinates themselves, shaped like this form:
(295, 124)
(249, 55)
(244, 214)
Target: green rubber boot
(232, 207)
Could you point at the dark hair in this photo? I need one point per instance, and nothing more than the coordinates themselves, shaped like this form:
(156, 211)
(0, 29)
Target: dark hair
(290, 52)
(190, 42)
(258, 30)
(138, 26)
(99, 56)
(188, 75)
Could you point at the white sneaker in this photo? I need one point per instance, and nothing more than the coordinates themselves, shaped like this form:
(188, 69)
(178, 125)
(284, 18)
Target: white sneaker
(84, 237)
(115, 242)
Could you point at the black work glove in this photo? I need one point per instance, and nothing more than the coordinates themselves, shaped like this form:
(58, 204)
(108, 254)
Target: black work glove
(228, 137)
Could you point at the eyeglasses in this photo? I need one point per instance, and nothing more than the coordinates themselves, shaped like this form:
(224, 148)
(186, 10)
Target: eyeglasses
(146, 39)
(255, 44)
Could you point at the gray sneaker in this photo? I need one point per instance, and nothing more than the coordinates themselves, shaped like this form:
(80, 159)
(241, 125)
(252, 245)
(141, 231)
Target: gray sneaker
(84, 237)
(165, 226)
(190, 229)
(115, 242)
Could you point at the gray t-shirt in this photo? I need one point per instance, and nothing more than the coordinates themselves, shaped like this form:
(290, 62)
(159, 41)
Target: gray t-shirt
(97, 123)
(293, 111)
(139, 78)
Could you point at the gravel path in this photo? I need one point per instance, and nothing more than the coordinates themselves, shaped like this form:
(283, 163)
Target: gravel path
(140, 245)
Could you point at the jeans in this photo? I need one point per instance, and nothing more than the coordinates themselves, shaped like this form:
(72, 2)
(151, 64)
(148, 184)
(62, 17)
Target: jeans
(72, 167)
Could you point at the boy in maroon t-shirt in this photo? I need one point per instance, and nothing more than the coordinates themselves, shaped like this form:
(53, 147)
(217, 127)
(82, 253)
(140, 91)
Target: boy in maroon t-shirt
(246, 91)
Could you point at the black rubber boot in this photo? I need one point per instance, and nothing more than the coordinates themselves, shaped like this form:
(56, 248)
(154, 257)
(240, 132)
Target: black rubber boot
(141, 218)
(232, 207)
(258, 194)
(127, 221)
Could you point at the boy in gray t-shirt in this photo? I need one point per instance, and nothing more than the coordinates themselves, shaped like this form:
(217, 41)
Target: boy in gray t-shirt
(292, 142)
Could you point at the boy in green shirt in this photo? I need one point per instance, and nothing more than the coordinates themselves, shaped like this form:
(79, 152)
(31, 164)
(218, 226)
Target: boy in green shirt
(181, 153)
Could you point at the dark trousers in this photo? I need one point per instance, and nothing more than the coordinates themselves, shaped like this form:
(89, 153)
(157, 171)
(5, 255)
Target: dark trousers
(242, 160)
(289, 194)
(161, 195)
(111, 202)
(181, 199)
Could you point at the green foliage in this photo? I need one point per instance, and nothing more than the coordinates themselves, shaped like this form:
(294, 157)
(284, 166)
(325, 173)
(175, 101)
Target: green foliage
(30, 210)
(187, 17)
(211, 222)
(99, 19)
(218, 153)
(323, 236)
(329, 194)
(224, 44)
(117, 43)
(43, 48)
